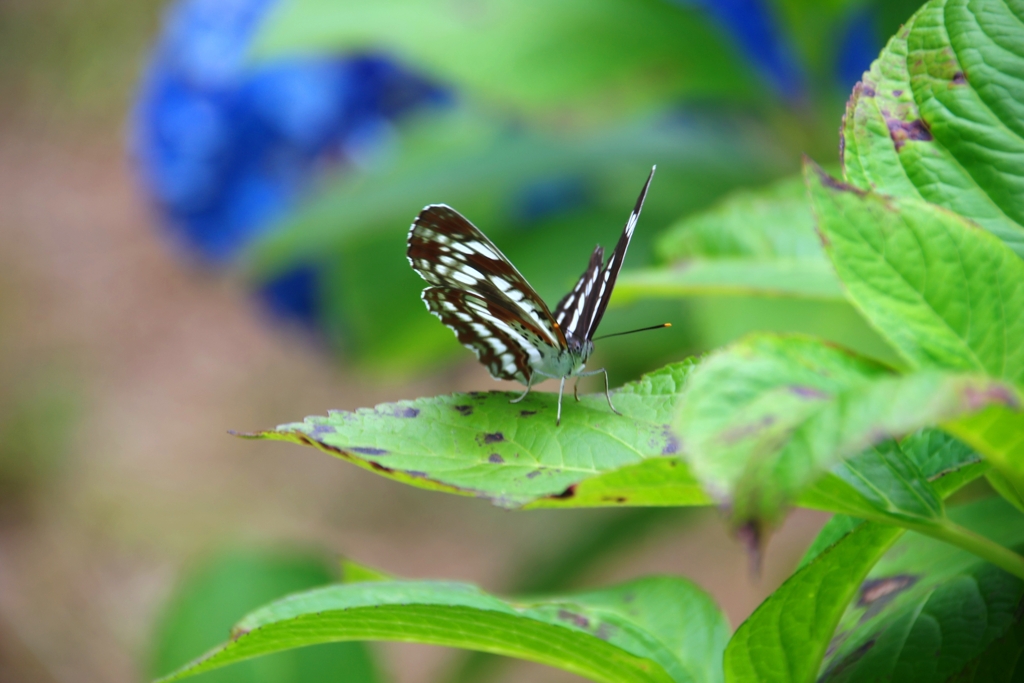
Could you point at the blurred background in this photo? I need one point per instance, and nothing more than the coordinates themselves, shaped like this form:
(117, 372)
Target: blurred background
(203, 208)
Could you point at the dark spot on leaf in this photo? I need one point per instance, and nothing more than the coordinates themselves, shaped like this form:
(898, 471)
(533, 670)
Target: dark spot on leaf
(867, 90)
(995, 393)
(628, 597)
(495, 458)
(380, 468)
(366, 450)
(407, 412)
(237, 632)
(417, 474)
(527, 413)
(464, 410)
(321, 429)
(897, 93)
(535, 473)
(829, 181)
(959, 78)
(901, 131)
(808, 392)
(883, 590)
(577, 620)
(616, 499)
(494, 438)
(752, 537)
(744, 431)
(671, 445)
(604, 631)
(836, 669)
(568, 493)
(478, 395)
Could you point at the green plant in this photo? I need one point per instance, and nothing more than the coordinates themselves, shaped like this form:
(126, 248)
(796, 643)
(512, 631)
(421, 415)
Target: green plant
(923, 238)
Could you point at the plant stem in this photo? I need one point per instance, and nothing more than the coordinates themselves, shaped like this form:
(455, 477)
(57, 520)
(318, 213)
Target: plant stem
(984, 548)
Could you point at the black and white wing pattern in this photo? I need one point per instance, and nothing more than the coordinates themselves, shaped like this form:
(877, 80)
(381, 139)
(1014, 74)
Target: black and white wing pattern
(579, 313)
(480, 295)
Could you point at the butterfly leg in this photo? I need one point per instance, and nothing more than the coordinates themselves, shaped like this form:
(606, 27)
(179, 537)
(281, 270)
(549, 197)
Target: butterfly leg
(608, 393)
(607, 390)
(561, 388)
(529, 383)
(576, 389)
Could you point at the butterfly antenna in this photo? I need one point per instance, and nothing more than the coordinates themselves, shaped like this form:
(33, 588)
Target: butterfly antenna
(642, 329)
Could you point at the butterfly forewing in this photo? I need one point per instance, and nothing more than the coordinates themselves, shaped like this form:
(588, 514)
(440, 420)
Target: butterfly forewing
(570, 311)
(480, 295)
(606, 282)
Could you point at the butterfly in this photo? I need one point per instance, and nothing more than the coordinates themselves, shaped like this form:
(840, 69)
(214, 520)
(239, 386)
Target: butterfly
(477, 292)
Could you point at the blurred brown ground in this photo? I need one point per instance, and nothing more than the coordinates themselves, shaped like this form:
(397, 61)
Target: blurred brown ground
(159, 360)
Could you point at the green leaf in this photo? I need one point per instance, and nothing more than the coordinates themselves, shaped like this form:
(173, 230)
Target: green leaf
(1000, 662)
(944, 293)
(765, 223)
(880, 483)
(612, 55)
(480, 444)
(796, 278)
(997, 433)
(662, 481)
(764, 418)
(933, 118)
(927, 611)
(655, 629)
(222, 589)
(785, 639)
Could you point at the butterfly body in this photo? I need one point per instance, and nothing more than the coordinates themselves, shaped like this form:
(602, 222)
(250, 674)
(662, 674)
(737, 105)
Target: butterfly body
(477, 292)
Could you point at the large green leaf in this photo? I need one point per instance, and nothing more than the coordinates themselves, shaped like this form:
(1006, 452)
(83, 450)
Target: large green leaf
(613, 55)
(937, 116)
(943, 292)
(480, 444)
(785, 639)
(655, 629)
(762, 419)
(927, 611)
(222, 589)
(880, 483)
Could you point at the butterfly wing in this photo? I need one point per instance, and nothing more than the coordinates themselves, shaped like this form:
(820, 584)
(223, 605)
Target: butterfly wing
(580, 311)
(480, 295)
(492, 332)
(611, 269)
(570, 311)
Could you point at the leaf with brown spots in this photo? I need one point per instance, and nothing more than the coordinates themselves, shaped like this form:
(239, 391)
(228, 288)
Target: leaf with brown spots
(512, 454)
(939, 115)
(764, 419)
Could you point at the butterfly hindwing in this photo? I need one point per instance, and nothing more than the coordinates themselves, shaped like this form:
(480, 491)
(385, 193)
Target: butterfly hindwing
(487, 329)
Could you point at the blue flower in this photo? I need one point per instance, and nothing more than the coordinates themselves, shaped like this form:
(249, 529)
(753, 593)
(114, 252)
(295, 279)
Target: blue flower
(755, 29)
(225, 148)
